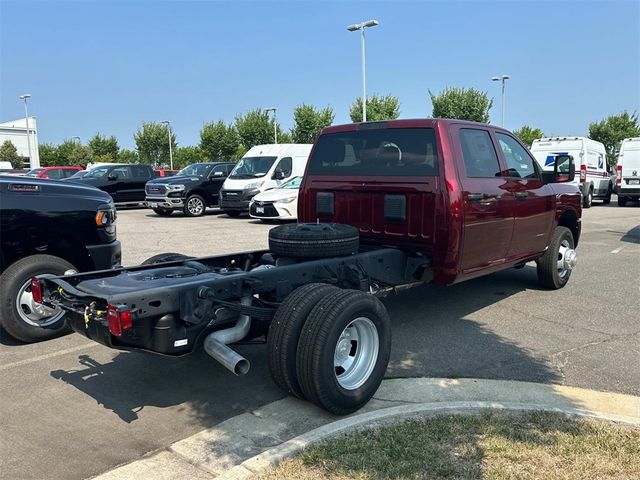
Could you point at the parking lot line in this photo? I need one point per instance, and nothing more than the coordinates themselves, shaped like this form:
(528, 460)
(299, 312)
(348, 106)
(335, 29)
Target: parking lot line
(617, 250)
(48, 355)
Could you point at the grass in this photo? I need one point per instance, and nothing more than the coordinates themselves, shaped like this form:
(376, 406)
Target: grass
(491, 445)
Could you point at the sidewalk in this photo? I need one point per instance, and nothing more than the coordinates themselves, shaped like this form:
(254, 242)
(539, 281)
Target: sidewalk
(245, 444)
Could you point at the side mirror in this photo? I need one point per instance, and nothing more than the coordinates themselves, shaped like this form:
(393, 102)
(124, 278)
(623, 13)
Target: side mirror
(218, 174)
(112, 176)
(278, 175)
(564, 169)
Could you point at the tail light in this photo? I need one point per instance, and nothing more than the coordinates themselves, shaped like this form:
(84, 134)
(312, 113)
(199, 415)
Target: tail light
(118, 319)
(36, 289)
(619, 177)
(583, 173)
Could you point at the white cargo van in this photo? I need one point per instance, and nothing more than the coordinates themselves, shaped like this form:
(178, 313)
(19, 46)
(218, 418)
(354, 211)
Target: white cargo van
(261, 168)
(590, 159)
(628, 179)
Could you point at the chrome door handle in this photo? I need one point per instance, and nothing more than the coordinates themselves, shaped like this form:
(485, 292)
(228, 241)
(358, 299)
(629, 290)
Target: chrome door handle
(522, 195)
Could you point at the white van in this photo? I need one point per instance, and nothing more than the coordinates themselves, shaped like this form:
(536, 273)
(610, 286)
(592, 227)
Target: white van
(628, 179)
(261, 168)
(590, 157)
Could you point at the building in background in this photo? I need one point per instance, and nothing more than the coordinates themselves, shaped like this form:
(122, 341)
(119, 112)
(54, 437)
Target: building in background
(16, 132)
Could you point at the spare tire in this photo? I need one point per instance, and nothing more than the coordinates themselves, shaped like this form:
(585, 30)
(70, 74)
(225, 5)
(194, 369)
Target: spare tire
(165, 257)
(314, 240)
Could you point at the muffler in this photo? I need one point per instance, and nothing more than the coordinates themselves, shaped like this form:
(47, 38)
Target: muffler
(216, 343)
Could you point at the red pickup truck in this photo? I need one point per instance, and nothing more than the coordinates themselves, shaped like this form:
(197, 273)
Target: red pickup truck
(383, 206)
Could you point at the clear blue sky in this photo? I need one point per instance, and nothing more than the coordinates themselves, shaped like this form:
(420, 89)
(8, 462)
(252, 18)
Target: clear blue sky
(108, 66)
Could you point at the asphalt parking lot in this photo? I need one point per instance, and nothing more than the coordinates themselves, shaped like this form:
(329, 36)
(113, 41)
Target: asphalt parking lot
(71, 408)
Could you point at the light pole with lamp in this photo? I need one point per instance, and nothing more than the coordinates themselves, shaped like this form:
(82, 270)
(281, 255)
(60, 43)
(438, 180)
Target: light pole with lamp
(76, 138)
(353, 28)
(275, 123)
(502, 78)
(26, 119)
(168, 124)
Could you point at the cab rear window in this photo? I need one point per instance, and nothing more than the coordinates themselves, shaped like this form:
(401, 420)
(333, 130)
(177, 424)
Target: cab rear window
(380, 152)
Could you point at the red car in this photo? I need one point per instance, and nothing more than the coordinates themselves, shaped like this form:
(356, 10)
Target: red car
(165, 172)
(54, 173)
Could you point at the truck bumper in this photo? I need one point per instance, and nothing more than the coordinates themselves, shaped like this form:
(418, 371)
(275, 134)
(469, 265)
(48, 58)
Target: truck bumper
(237, 200)
(167, 203)
(105, 257)
(628, 192)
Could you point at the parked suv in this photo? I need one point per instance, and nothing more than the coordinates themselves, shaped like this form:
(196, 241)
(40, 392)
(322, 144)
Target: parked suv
(54, 173)
(125, 183)
(192, 189)
(49, 227)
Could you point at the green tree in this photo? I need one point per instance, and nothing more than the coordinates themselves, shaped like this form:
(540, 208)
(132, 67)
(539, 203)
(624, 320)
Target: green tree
(48, 153)
(104, 146)
(462, 104)
(80, 155)
(184, 156)
(64, 152)
(612, 130)
(219, 141)
(9, 153)
(385, 107)
(127, 156)
(152, 141)
(308, 121)
(256, 128)
(528, 134)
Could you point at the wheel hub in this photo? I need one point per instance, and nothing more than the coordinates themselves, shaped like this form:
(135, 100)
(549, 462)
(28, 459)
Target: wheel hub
(33, 313)
(343, 348)
(570, 259)
(356, 353)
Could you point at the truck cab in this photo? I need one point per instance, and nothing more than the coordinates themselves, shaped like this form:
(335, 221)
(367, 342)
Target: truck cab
(124, 182)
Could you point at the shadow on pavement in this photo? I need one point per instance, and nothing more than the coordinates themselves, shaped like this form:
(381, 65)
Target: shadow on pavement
(632, 236)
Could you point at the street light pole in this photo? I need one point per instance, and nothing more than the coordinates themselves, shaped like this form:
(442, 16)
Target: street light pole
(361, 27)
(275, 123)
(502, 78)
(168, 124)
(26, 119)
(76, 137)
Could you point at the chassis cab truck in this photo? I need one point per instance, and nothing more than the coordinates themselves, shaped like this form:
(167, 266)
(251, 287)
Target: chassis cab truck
(595, 180)
(383, 206)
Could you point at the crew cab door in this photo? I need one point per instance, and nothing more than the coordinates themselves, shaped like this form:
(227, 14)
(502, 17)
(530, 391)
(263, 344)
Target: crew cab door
(217, 176)
(487, 203)
(534, 212)
(140, 175)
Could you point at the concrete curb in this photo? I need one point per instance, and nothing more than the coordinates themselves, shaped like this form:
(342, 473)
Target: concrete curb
(255, 465)
(243, 446)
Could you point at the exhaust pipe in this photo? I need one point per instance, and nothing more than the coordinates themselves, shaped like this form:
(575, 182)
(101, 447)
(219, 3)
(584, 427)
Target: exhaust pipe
(216, 344)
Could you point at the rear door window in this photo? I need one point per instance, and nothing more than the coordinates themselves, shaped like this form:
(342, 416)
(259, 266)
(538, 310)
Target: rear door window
(478, 153)
(54, 174)
(379, 152)
(138, 171)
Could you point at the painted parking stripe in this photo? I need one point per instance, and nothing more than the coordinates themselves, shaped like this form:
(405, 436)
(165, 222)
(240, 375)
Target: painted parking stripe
(617, 250)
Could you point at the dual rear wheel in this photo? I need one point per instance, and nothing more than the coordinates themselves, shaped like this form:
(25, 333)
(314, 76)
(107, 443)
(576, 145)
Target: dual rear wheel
(330, 346)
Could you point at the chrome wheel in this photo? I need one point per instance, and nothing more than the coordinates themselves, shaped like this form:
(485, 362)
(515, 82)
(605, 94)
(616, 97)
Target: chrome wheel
(567, 258)
(195, 206)
(356, 353)
(34, 313)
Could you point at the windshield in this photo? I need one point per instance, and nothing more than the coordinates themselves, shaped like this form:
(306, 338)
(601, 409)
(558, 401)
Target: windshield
(98, 172)
(33, 173)
(376, 152)
(293, 184)
(79, 174)
(195, 170)
(251, 167)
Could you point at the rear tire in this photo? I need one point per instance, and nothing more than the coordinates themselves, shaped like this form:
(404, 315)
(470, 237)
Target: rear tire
(19, 316)
(284, 334)
(622, 201)
(314, 240)
(162, 213)
(343, 351)
(587, 200)
(165, 257)
(550, 273)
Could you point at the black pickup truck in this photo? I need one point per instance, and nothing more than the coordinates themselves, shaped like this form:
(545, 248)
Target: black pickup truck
(124, 182)
(192, 189)
(47, 226)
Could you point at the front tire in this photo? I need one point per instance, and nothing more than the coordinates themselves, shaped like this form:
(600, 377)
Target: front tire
(232, 213)
(194, 206)
(557, 263)
(622, 201)
(343, 351)
(607, 199)
(19, 315)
